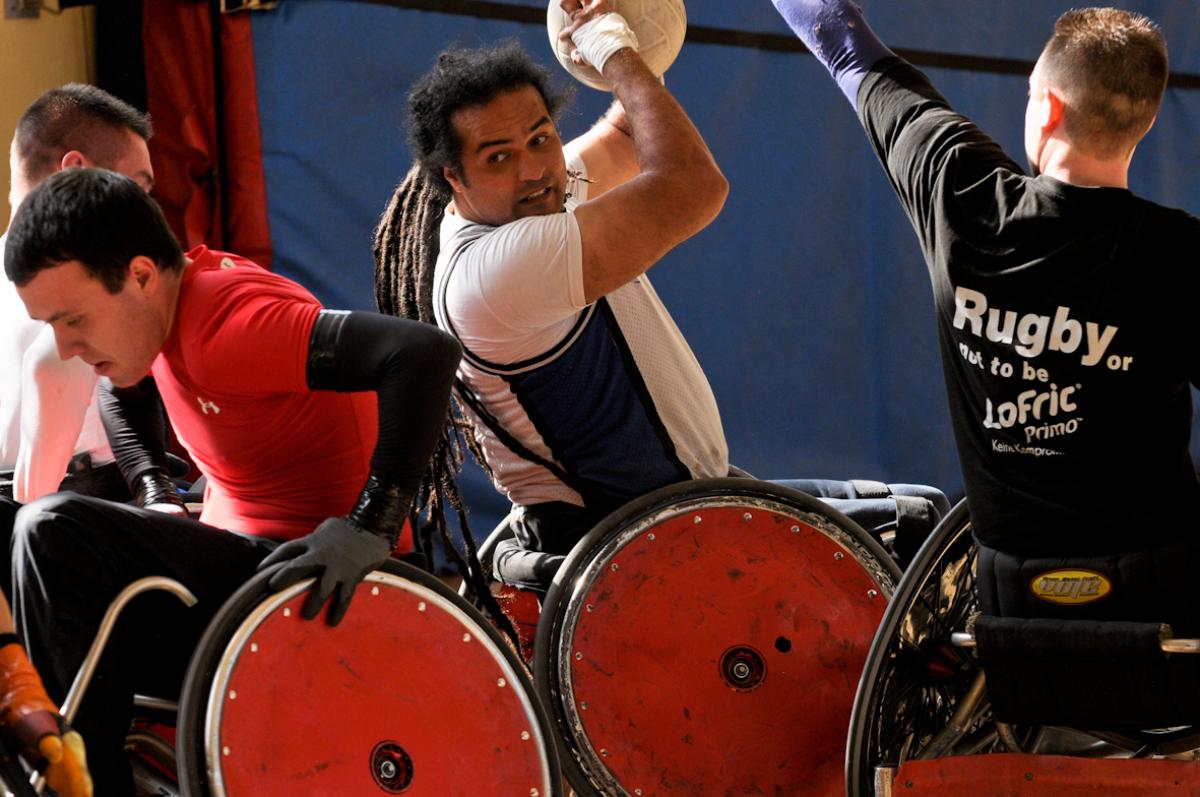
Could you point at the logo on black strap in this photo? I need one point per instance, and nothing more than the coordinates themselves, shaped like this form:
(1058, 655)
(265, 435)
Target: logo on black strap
(1071, 587)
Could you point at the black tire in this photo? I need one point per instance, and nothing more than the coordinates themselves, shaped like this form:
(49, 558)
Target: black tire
(913, 677)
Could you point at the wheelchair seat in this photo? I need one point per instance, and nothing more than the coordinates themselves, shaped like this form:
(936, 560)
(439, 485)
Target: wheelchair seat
(1026, 675)
(899, 515)
(1054, 631)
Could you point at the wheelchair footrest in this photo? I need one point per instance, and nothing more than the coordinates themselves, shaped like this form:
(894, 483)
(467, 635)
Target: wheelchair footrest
(1003, 775)
(1086, 674)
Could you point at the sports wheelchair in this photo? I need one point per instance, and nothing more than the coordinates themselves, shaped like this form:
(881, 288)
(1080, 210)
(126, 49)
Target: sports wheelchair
(955, 701)
(413, 692)
(702, 639)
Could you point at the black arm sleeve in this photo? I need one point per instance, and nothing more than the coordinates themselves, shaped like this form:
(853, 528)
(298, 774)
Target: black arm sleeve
(410, 366)
(935, 158)
(136, 426)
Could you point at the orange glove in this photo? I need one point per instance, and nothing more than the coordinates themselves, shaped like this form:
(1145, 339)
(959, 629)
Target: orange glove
(31, 720)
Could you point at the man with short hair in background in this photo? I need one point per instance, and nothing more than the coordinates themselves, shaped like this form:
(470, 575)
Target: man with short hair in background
(49, 426)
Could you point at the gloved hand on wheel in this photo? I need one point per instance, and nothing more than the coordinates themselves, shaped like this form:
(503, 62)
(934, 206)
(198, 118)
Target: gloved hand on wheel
(339, 554)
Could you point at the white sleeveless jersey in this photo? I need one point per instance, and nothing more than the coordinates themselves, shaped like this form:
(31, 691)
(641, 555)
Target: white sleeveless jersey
(609, 392)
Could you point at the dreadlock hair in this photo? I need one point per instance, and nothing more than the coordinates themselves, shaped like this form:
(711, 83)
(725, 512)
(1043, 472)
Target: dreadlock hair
(406, 249)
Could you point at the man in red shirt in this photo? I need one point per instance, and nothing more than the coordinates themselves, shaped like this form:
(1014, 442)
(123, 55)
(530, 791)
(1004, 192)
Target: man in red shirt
(272, 397)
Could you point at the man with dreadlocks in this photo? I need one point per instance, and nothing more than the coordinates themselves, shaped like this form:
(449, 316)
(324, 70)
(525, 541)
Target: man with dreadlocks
(582, 392)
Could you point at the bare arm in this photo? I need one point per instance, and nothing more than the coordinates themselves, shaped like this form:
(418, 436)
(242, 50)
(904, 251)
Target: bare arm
(607, 151)
(56, 398)
(678, 191)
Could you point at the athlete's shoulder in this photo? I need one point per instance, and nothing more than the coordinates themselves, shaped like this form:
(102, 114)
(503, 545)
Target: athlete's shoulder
(1168, 239)
(1171, 217)
(519, 244)
(222, 276)
(224, 294)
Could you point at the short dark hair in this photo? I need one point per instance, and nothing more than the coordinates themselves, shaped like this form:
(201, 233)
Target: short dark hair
(1111, 66)
(100, 218)
(74, 117)
(463, 79)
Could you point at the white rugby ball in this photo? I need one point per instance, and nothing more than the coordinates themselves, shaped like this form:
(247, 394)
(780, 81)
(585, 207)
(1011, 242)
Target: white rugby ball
(660, 26)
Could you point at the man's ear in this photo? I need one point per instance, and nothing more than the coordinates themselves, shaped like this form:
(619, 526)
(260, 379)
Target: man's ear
(1050, 111)
(143, 274)
(451, 176)
(74, 159)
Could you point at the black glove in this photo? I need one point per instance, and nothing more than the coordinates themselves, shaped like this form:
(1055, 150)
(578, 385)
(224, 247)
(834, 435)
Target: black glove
(339, 554)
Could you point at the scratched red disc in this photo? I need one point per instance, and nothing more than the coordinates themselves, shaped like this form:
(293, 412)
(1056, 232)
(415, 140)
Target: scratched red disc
(411, 694)
(712, 644)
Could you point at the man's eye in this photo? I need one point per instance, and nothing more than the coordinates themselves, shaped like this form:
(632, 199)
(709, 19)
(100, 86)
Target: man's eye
(75, 321)
(497, 157)
(539, 140)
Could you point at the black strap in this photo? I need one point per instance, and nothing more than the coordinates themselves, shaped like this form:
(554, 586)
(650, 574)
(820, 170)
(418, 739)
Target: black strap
(915, 520)
(591, 498)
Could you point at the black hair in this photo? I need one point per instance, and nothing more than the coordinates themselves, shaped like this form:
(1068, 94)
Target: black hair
(100, 218)
(406, 241)
(74, 117)
(464, 79)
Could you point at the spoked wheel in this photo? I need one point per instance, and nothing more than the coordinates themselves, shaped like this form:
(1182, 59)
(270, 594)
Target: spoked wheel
(707, 639)
(14, 778)
(914, 678)
(413, 693)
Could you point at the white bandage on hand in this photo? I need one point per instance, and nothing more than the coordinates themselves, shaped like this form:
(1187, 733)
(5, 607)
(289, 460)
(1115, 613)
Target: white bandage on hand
(598, 39)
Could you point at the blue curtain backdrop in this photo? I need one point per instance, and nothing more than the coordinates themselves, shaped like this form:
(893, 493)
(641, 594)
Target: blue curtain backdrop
(806, 302)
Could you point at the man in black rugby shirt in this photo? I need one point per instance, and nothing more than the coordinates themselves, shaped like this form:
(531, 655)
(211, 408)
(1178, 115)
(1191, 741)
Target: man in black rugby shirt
(1063, 300)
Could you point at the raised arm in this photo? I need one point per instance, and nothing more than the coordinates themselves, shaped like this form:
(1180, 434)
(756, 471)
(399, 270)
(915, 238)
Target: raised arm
(837, 34)
(410, 366)
(607, 151)
(923, 144)
(678, 190)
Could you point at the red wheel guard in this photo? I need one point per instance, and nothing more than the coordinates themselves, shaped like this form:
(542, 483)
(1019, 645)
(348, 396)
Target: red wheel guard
(406, 696)
(718, 652)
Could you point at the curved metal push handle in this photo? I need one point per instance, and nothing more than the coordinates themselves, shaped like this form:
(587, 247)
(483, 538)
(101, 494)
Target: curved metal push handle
(962, 639)
(70, 706)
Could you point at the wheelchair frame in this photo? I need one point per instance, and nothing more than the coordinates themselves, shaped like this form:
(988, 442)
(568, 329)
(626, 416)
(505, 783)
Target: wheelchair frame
(922, 693)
